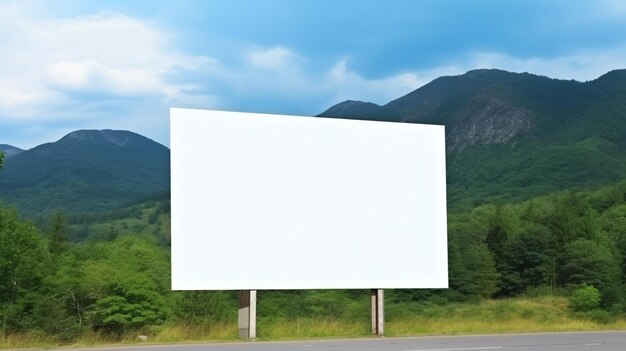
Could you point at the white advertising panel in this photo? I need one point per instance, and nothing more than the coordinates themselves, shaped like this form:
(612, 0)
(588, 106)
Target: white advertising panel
(288, 202)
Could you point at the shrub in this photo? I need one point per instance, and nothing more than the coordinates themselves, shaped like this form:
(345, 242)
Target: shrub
(585, 298)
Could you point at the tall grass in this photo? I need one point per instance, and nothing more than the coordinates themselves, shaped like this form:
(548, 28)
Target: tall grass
(217, 331)
(537, 314)
(540, 314)
(282, 329)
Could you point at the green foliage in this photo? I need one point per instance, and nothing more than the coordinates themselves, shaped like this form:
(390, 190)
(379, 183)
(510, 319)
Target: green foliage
(117, 280)
(57, 236)
(529, 260)
(151, 218)
(587, 262)
(481, 277)
(585, 298)
(85, 172)
(198, 307)
(497, 236)
(129, 304)
(22, 269)
(564, 239)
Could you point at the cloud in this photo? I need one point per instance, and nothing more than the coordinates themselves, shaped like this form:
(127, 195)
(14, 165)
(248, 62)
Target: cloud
(287, 79)
(348, 84)
(275, 58)
(110, 70)
(92, 76)
(52, 63)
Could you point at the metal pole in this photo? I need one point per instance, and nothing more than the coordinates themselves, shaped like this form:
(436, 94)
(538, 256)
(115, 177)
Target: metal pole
(246, 319)
(377, 298)
(381, 312)
(252, 335)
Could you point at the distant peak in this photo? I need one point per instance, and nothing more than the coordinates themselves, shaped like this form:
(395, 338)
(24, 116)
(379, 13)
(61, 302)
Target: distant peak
(485, 71)
(352, 103)
(488, 72)
(10, 150)
(348, 106)
(617, 74)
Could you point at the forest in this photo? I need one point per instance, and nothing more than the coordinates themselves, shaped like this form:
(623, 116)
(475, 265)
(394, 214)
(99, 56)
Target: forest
(71, 278)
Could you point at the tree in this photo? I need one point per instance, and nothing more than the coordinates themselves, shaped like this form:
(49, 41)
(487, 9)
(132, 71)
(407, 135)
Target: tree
(528, 261)
(57, 235)
(587, 262)
(1, 158)
(22, 264)
(561, 219)
(132, 303)
(125, 285)
(482, 278)
(496, 235)
(205, 306)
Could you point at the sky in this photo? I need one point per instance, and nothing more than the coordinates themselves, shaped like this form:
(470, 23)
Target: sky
(67, 65)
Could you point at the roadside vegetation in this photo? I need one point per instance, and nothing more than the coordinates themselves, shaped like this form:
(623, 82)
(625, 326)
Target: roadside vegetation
(552, 263)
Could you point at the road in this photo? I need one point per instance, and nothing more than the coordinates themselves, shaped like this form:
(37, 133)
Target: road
(588, 341)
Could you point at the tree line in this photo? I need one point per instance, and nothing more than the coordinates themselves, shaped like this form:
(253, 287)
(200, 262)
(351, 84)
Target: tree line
(568, 243)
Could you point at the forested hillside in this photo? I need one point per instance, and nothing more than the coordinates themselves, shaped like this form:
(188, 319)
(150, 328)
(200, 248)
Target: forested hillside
(87, 171)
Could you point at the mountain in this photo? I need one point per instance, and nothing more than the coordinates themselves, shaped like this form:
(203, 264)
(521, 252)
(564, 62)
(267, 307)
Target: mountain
(86, 171)
(511, 136)
(362, 110)
(9, 150)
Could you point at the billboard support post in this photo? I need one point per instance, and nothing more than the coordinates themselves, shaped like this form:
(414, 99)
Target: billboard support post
(246, 320)
(378, 311)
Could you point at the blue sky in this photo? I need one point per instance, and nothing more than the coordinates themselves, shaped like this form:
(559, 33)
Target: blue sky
(68, 64)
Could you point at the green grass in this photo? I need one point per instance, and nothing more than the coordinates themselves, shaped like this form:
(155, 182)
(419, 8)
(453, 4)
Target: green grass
(542, 314)
(517, 315)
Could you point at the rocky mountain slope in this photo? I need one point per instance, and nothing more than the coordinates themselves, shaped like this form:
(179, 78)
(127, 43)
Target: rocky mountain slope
(511, 136)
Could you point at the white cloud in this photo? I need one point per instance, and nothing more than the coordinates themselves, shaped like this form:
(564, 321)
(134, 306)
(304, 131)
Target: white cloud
(273, 58)
(279, 73)
(92, 76)
(348, 84)
(48, 62)
(115, 71)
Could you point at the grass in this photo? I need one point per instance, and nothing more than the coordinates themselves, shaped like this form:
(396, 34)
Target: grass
(542, 314)
(517, 315)
(304, 328)
(219, 331)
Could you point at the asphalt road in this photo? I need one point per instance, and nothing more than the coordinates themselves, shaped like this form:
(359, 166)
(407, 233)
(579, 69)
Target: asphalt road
(588, 341)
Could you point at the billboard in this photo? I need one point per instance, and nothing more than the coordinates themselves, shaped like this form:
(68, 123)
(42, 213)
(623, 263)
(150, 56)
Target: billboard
(289, 202)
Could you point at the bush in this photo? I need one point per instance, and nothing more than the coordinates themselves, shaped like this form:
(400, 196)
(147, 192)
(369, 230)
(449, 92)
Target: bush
(585, 298)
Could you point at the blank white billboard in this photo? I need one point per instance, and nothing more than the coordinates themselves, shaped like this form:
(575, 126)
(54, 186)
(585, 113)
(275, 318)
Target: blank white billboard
(288, 202)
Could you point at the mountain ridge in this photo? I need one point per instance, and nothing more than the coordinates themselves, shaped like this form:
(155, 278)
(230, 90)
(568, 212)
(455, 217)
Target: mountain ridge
(511, 136)
(85, 171)
(9, 150)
